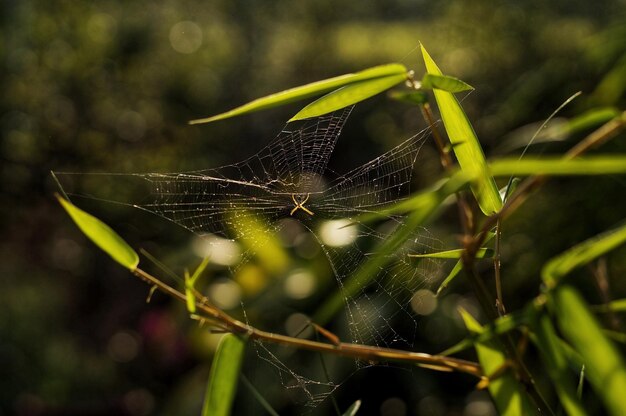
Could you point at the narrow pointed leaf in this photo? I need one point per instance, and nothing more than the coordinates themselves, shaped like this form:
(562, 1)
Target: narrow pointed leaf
(224, 376)
(409, 97)
(613, 306)
(590, 119)
(308, 90)
(454, 254)
(190, 283)
(555, 362)
(507, 393)
(457, 268)
(348, 95)
(604, 366)
(582, 254)
(465, 144)
(500, 326)
(556, 166)
(352, 410)
(445, 83)
(102, 235)
(189, 294)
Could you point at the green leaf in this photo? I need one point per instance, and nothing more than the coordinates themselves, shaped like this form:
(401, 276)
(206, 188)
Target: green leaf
(465, 144)
(348, 95)
(581, 254)
(102, 235)
(507, 393)
(500, 326)
(252, 231)
(591, 118)
(224, 376)
(557, 166)
(409, 97)
(445, 83)
(604, 365)
(353, 409)
(308, 90)
(555, 363)
(190, 283)
(454, 254)
(613, 306)
(458, 267)
(426, 200)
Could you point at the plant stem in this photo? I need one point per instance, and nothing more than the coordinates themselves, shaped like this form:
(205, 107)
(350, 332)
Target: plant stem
(600, 136)
(358, 351)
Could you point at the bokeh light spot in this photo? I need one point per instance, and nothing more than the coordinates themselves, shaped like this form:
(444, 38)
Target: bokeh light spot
(338, 233)
(424, 302)
(297, 325)
(123, 346)
(225, 293)
(220, 250)
(186, 37)
(393, 406)
(300, 284)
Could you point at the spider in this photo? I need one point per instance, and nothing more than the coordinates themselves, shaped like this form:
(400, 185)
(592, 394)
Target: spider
(300, 204)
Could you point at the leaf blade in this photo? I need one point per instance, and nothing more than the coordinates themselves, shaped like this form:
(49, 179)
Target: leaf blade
(454, 254)
(348, 95)
(604, 365)
(558, 166)
(445, 83)
(306, 91)
(555, 362)
(102, 235)
(581, 254)
(506, 391)
(222, 385)
(465, 144)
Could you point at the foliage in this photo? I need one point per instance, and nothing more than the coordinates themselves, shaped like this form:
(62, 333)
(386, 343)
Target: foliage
(109, 87)
(502, 366)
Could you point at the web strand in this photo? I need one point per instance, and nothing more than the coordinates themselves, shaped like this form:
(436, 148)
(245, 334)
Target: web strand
(266, 187)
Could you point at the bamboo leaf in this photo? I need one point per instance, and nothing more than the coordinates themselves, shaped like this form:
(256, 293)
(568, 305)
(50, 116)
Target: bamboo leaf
(445, 83)
(465, 144)
(581, 254)
(189, 295)
(507, 393)
(224, 376)
(353, 409)
(348, 95)
(555, 166)
(102, 235)
(454, 254)
(308, 90)
(500, 326)
(555, 362)
(457, 268)
(591, 118)
(409, 97)
(604, 366)
(618, 305)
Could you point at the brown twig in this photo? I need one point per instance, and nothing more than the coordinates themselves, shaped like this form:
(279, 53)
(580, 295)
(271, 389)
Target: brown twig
(359, 351)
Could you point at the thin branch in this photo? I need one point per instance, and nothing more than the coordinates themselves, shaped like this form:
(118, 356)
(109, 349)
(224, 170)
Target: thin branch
(597, 138)
(359, 351)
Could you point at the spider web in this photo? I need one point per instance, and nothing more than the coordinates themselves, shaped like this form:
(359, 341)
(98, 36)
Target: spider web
(289, 178)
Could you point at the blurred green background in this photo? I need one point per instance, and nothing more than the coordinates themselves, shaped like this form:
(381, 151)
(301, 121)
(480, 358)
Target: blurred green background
(109, 86)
